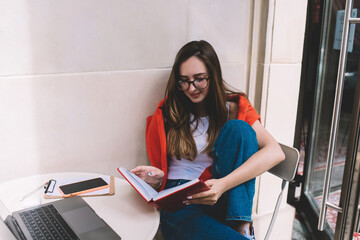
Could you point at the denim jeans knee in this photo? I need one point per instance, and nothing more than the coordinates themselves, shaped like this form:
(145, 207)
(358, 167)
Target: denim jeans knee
(235, 144)
(193, 223)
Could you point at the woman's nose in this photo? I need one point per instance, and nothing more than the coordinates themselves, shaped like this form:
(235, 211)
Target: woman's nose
(192, 87)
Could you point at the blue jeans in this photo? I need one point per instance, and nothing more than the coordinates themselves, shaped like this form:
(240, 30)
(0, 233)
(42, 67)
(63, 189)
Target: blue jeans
(235, 144)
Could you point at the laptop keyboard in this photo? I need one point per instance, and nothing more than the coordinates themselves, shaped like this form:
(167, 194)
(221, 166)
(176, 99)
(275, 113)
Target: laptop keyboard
(46, 223)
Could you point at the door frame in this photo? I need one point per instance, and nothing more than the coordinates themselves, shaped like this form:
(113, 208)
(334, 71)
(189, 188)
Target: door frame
(348, 218)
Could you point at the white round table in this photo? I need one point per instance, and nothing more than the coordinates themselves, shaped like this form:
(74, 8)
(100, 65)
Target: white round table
(126, 212)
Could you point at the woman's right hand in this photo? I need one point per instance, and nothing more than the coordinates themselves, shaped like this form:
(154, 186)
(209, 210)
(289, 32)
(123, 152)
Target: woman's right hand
(151, 175)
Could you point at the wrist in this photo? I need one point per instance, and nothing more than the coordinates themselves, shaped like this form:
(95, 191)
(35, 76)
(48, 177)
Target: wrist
(225, 185)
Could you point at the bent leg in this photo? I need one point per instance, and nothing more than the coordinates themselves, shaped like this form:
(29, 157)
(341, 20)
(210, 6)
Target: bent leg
(192, 222)
(235, 144)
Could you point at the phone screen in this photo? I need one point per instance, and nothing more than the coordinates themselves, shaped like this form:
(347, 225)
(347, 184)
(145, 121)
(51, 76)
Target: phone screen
(83, 186)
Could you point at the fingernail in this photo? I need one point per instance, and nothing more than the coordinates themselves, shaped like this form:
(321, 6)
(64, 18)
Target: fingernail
(189, 197)
(186, 202)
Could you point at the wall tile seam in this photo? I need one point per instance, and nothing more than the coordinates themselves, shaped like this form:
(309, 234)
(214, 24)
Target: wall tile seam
(250, 71)
(84, 73)
(267, 60)
(285, 63)
(265, 93)
(270, 32)
(107, 71)
(283, 206)
(257, 193)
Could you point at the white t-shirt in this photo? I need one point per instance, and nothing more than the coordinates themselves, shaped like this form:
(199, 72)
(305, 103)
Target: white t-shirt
(187, 169)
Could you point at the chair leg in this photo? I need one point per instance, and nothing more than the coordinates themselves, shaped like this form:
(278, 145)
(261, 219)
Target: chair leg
(277, 206)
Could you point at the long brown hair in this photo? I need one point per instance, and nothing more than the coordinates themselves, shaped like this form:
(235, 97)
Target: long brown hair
(177, 107)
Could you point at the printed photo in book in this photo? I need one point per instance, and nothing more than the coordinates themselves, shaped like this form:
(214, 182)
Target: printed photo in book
(170, 199)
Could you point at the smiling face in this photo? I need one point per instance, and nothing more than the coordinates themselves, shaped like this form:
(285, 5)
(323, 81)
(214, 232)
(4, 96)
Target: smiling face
(190, 70)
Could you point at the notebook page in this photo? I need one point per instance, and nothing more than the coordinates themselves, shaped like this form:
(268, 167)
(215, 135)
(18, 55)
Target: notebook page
(144, 189)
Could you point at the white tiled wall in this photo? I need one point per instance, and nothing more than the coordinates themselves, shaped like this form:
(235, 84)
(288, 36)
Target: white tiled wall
(89, 35)
(282, 105)
(225, 24)
(287, 40)
(91, 122)
(78, 78)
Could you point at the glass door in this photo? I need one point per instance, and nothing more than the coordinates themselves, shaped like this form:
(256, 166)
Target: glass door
(347, 225)
(316, 129)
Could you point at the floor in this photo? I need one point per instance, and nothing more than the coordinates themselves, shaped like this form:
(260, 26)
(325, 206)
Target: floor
(299, 231)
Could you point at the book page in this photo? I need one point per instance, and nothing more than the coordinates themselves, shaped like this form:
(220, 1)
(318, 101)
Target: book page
(140, 185)
(169, 191)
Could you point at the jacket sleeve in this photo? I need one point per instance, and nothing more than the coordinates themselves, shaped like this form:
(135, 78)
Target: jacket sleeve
(153, 142)
(246, 112)
(156, 142)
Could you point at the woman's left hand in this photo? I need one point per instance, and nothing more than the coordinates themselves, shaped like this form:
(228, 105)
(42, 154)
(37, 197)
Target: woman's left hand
(209, 197)
(151, 175)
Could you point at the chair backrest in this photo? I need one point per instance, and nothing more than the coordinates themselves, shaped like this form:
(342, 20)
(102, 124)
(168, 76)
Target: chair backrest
(287, 168)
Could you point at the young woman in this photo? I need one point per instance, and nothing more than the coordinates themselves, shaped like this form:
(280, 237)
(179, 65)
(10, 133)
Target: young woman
(203, 130)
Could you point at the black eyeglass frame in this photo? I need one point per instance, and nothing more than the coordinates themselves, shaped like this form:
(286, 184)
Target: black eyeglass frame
(193, 83)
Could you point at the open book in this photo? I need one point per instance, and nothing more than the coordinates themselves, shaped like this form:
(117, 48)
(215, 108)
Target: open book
(170, 199)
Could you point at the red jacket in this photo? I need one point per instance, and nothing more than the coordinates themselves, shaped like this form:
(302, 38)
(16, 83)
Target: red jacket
(156, 138)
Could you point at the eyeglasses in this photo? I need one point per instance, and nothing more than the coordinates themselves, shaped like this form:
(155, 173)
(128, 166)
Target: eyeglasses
(199, 83)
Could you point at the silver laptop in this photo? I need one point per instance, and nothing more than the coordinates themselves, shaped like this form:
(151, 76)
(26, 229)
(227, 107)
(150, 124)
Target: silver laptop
(70, 218)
